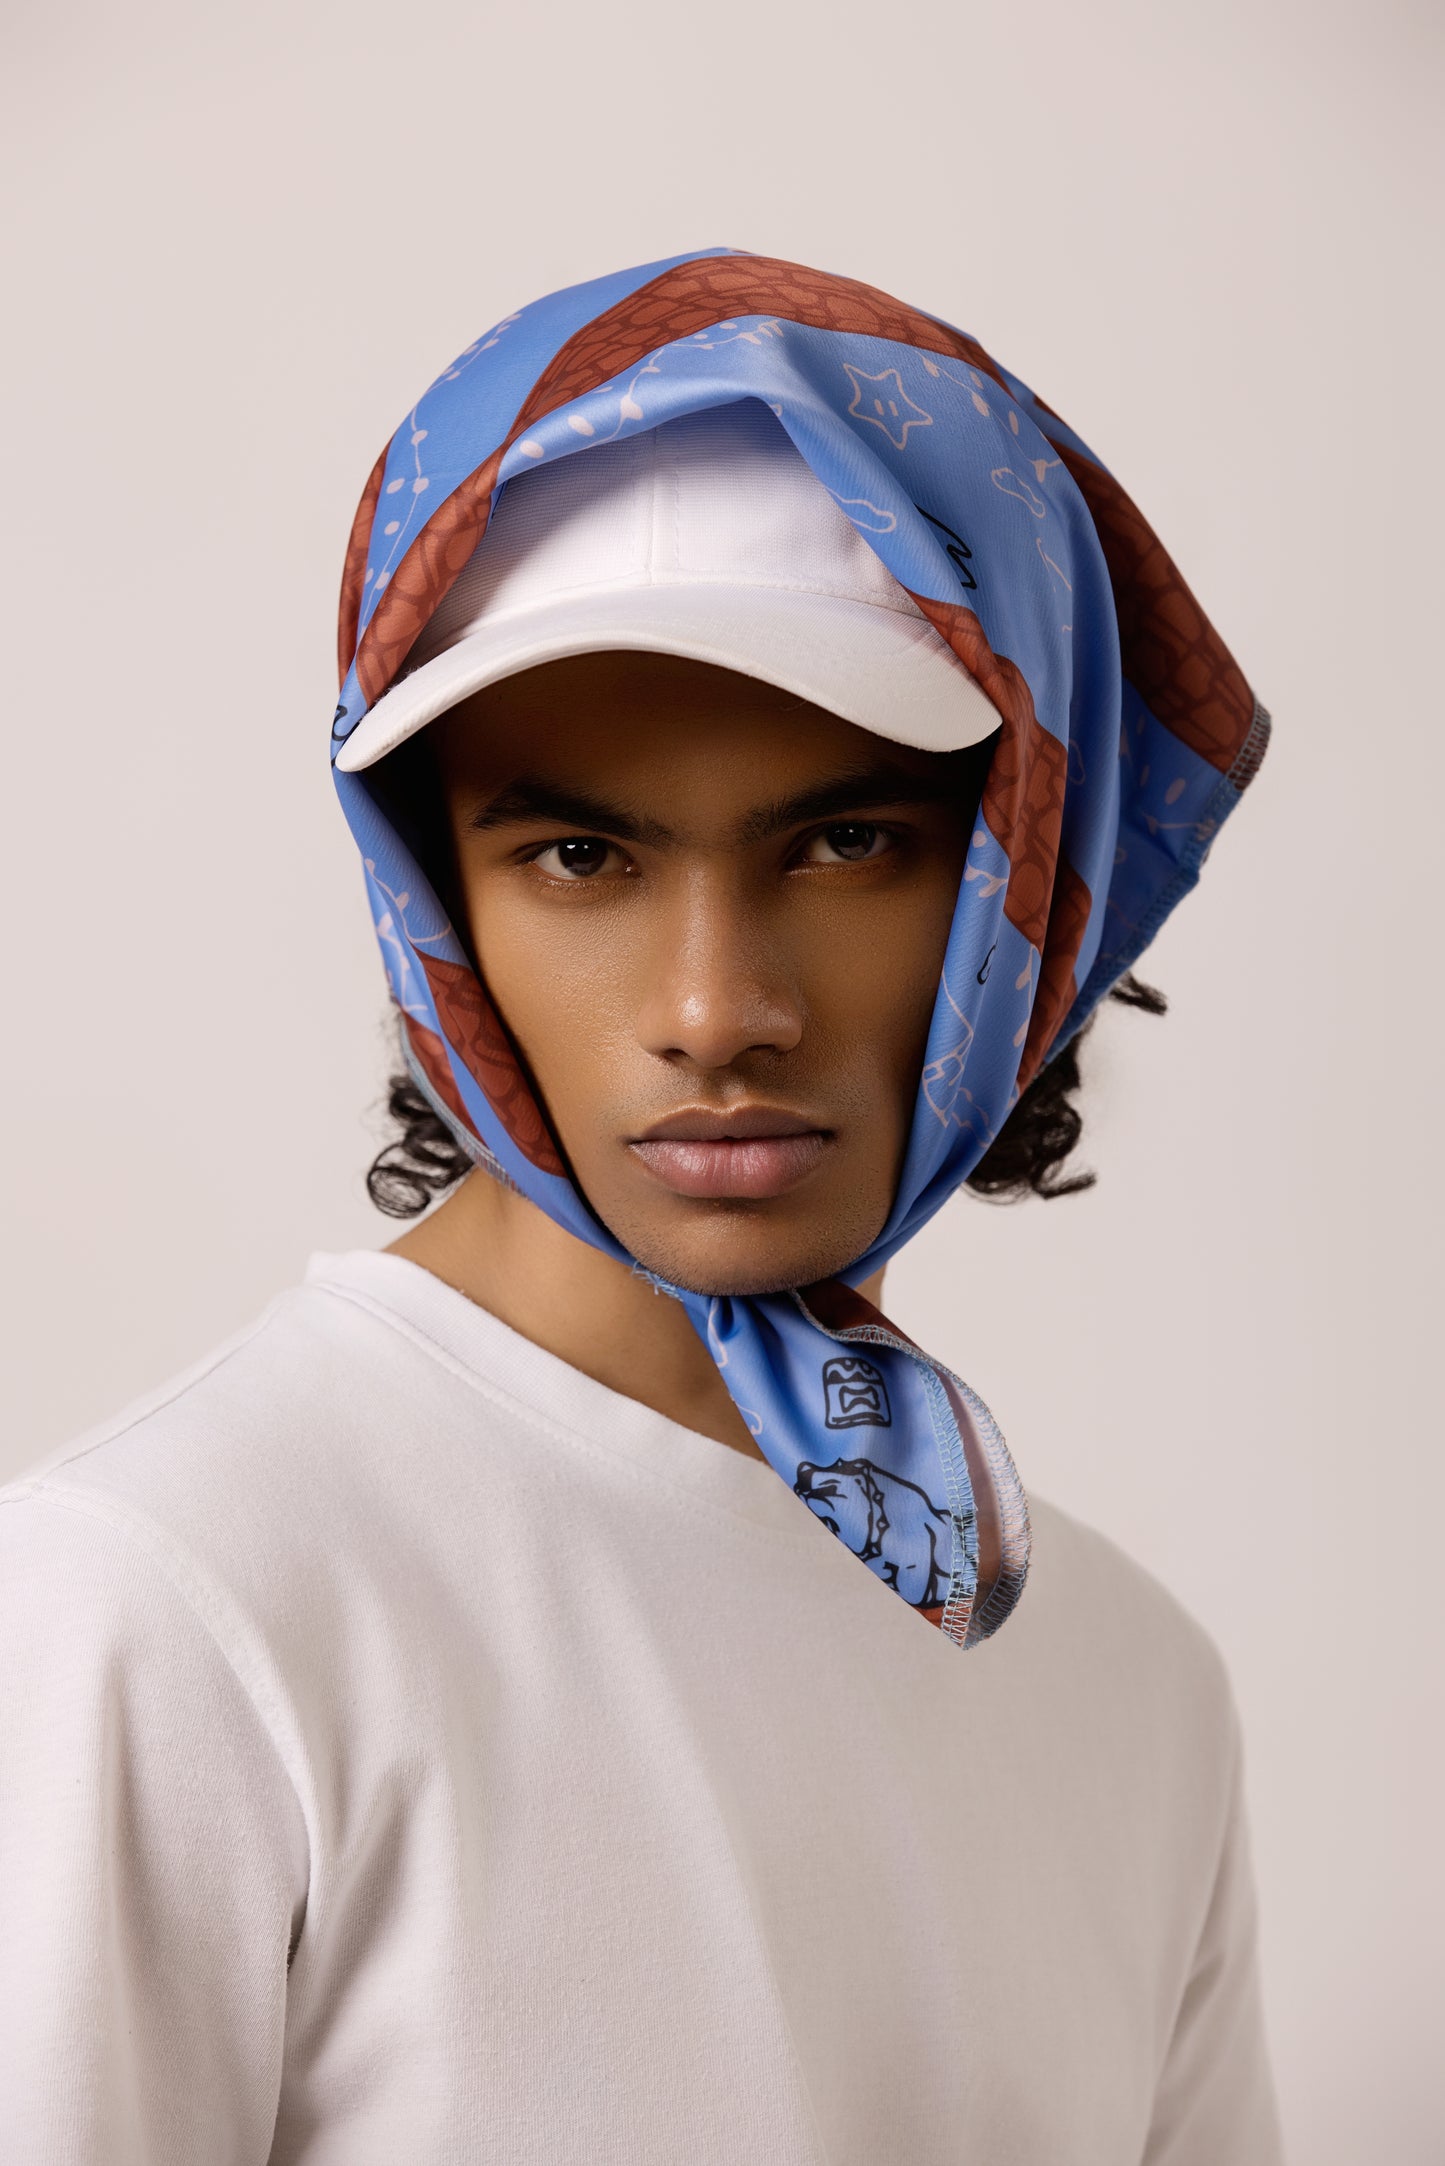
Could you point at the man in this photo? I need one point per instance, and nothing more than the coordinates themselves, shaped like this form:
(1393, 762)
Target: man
(435, 1731)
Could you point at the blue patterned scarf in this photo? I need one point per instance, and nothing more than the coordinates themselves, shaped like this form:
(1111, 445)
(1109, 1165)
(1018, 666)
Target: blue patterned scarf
(1128, 734)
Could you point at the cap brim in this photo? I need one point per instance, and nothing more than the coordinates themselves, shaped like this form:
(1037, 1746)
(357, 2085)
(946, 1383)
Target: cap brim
(885, 670)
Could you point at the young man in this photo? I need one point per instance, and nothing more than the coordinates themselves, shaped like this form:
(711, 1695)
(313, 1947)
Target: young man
(434, 1730)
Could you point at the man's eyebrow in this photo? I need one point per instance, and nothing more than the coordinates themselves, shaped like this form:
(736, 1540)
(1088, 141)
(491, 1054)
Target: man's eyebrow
(883, 783)
(529, 797)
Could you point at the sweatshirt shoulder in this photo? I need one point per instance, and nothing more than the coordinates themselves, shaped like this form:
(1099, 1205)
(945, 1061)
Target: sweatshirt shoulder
(233, 1438)
(1115, 1635)
(1078, 1557)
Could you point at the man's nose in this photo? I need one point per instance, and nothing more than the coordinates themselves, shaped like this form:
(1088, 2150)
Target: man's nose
(720, 984)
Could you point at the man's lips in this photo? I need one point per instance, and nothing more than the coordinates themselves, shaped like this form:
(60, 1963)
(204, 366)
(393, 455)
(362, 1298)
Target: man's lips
(753, 1151)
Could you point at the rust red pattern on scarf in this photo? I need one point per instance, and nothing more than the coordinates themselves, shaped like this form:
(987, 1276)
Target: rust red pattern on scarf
(431, 1056)
(1023, 802)
(474, 1031)
(353, 574)
(1169, 650)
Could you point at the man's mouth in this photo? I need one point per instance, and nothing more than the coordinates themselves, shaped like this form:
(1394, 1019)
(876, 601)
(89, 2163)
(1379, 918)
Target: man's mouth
(752, 1151)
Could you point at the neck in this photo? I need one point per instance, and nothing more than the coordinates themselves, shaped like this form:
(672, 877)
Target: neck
(498, 1249)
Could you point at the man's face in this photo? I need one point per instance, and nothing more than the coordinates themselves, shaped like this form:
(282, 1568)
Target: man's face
(713, 918)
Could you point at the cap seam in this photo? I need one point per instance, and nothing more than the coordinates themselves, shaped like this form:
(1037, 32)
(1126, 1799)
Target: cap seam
(639, 582)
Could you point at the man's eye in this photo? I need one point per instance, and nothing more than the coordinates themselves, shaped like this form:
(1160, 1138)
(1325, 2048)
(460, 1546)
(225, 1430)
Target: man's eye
(848, 840)
(575, 859)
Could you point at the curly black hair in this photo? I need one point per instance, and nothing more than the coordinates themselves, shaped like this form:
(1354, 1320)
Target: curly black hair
(1024, 1159)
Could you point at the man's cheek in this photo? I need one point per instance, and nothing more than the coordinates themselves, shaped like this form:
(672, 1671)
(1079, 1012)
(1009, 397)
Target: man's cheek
(577, 1068)
(549, 1007)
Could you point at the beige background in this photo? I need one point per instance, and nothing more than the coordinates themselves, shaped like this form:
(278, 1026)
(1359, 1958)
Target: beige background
(247, 237)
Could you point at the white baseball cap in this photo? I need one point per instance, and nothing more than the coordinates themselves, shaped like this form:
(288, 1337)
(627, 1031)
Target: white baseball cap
(707, 536)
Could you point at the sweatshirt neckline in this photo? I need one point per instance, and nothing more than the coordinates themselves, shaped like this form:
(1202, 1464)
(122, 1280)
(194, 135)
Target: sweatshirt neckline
(505, 1361)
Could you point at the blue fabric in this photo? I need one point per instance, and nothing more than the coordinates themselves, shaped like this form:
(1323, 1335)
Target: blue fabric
(1127, 735)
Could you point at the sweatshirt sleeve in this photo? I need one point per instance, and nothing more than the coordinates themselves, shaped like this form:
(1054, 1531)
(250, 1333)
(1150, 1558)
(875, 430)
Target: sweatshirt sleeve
(152, 1862)
(1215, 2100)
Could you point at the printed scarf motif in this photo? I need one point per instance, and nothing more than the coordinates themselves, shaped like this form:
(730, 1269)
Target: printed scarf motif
(1128, 735)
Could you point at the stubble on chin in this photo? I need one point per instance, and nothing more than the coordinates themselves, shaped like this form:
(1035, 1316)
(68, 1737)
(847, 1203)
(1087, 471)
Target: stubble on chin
(768, 1262)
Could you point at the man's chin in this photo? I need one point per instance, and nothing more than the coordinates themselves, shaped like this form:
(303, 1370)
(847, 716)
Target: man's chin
(708, 1272)
(739, 1287)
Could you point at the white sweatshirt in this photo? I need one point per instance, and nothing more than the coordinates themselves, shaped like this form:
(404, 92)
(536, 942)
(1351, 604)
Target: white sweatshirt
(414, 1751)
